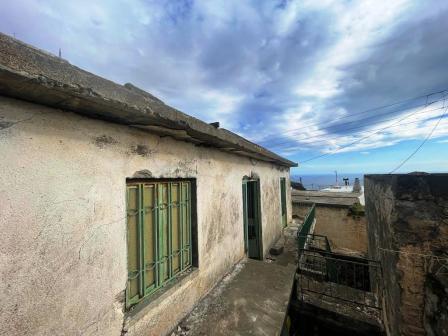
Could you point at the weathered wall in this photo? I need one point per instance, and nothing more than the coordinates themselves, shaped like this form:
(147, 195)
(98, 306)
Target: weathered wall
(63, 221)
(408, 233)
(345, 232)
(300, 209)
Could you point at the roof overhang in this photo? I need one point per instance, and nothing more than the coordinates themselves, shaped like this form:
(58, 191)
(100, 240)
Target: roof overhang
(34, 75)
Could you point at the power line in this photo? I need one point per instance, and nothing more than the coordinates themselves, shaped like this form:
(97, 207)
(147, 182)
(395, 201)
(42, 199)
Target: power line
(427, 96)
(341, 136)
(378, 108)
(420, 111)
(342, 124)
(359, 140)
(296, 141)
(421, 145)
(276, 141)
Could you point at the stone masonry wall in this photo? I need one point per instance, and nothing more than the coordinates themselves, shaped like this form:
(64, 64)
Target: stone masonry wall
(346, 233)
(300, 209)
(408, 233)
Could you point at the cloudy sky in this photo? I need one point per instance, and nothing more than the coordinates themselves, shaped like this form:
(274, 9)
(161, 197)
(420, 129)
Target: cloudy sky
(311, 80)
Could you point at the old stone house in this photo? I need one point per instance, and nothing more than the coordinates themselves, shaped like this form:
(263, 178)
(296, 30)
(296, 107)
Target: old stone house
(119, 213)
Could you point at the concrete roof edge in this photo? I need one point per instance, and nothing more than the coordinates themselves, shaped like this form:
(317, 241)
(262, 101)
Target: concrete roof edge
(34, 75)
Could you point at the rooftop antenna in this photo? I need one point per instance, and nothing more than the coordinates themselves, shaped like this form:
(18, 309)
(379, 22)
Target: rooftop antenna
(60, 53)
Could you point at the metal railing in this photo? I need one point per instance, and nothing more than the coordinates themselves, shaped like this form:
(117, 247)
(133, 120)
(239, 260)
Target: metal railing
(354, 280)
(305, 229)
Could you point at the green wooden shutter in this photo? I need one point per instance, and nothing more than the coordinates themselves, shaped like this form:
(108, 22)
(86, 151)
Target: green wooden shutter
(175, 227)
(158, 235)
(133, 291)
(185, 202)
(149, 220)
(163, 233)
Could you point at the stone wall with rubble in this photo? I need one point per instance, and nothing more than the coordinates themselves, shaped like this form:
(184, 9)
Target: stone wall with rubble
(300, 210)
(408, 233)
(346, 231)
(63, 261)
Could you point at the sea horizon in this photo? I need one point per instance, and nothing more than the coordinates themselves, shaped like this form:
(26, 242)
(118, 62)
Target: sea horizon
(321, 181)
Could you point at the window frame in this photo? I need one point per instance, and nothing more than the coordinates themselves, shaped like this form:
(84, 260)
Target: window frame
(160, 263)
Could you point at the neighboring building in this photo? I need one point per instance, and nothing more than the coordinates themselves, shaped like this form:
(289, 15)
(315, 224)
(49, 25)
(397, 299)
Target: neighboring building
(339, 216)
(334, 278)
(119, 213)
(297, 185)
(408, 233)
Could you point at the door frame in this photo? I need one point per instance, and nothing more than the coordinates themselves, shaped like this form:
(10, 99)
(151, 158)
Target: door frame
(283, 203)
(257, 206)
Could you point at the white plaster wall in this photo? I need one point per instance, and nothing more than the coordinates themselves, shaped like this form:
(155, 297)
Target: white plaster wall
(63, 226)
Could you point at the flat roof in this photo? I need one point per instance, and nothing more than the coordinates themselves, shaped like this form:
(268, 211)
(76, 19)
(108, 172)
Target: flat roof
(325, 197)
(251, 300)
(34, 75)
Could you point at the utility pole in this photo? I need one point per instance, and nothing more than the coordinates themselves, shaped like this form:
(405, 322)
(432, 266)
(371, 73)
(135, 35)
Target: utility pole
(336, 172)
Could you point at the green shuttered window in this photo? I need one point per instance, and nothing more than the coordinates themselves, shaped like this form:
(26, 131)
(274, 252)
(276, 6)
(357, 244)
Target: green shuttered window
(158, 235)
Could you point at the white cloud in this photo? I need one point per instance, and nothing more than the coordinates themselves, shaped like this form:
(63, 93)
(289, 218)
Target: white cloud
(357, 28)
(219, 106)
(261, 69)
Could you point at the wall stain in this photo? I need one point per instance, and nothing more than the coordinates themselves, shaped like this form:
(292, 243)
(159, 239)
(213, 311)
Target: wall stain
(144, 173)
(8, 124)
(188, 167)
(5, 124)
(105, 140)
(142, 150)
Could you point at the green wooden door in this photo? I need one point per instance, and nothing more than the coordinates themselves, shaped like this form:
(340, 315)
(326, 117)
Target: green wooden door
(245, 217)
(283, 200)
(252, 218)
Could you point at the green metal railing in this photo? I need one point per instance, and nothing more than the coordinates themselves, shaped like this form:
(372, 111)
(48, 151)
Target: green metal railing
(304, 231)
(348, 279)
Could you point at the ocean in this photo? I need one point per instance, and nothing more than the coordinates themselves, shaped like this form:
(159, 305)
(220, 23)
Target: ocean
(321, 181)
